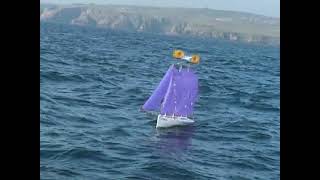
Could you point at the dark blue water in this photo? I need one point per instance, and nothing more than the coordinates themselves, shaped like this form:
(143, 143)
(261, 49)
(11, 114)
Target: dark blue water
(94, 81)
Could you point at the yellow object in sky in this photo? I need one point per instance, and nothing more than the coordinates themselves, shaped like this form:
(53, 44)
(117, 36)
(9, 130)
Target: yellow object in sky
(178, 54)
(195, 59)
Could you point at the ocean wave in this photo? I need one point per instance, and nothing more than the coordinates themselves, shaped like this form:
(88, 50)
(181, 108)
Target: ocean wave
(93, 83)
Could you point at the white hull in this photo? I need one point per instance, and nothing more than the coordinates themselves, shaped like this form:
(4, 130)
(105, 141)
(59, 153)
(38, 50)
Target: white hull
(169, 121)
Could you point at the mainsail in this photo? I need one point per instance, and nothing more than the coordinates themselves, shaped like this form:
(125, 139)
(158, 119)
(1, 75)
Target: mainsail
(177, 91)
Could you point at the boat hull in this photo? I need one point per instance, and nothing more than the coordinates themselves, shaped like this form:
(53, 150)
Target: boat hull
(164, 121)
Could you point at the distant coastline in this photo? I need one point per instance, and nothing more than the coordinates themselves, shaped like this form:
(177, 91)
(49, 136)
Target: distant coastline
(227, 25)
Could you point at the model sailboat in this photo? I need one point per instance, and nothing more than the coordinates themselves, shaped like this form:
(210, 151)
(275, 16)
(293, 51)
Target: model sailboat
(176, 94)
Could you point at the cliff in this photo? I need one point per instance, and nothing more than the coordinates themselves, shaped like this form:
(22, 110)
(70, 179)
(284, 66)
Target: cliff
(234, 26)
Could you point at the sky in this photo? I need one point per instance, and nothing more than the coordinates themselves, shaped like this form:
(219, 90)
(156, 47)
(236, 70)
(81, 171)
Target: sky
(262, 7)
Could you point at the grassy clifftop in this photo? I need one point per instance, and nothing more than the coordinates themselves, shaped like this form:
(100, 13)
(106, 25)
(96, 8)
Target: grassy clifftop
(236, 26)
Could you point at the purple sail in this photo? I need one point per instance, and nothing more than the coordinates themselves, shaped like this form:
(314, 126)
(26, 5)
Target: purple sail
(175, 94)
(154, 101)
(181, 94)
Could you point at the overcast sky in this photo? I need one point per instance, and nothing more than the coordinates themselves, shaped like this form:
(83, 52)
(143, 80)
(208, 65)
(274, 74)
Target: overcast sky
(263, 7)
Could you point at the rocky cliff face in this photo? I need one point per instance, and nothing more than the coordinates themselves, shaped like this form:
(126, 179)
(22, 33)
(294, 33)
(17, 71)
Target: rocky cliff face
(233, 26)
